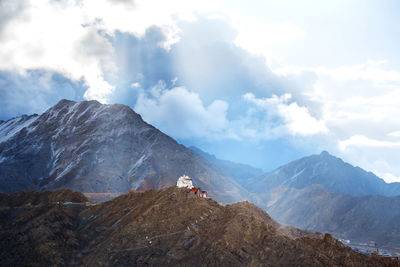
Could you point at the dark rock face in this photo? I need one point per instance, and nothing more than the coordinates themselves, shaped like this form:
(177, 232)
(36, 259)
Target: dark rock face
(163, 228)
(90, 147)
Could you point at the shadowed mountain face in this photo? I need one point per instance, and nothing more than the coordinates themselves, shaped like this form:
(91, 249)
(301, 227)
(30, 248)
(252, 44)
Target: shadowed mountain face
(332, 173)
(359, 219)
(323, 193)
(169, 227)
(90, 147)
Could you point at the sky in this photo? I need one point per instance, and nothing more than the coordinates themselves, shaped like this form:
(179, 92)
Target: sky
(257, 82)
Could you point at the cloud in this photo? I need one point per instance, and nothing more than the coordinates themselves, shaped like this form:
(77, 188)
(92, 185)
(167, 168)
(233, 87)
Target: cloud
(395, 134)
(206, 62)
(388, 177)
(9, 10)
(363, 141)
(360, 106)
(377, 156)
(34, 92)
(135, 85)
(296, 120)
(81, 41)
(207, 55)
(56, 37)
(181, 113)
(73, 38)
(263, 35)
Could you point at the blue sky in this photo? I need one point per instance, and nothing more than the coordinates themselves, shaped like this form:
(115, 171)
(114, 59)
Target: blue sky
(258, 82)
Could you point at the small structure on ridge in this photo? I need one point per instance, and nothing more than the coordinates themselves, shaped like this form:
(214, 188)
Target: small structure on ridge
(200, 193)
(185, 181)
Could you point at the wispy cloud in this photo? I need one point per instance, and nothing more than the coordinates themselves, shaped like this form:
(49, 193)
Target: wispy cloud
(363, 141)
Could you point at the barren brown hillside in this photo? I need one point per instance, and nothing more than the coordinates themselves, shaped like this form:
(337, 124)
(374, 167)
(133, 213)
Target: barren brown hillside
(166, 227)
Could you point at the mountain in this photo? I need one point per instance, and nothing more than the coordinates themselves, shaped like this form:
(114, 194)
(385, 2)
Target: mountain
(95, 148)
(12, 126)
(359, 219)
(331, 172)
(323, 193)
(40, 198)
(169, 227)
(242, 173)
(90, 147)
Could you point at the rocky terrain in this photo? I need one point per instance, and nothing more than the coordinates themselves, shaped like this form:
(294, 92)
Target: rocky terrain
(94, 148)
(163, 228)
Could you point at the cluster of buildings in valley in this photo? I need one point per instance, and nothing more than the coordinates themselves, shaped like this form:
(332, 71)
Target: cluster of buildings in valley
(371, 248)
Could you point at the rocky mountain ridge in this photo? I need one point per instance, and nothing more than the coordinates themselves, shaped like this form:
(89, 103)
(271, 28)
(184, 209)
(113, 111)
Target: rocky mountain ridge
(323, 193)
(90, 147)
(331, 172)
(165, 227)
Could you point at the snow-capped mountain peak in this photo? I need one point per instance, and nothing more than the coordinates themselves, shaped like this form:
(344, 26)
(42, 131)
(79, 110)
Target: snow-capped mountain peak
(91, 147)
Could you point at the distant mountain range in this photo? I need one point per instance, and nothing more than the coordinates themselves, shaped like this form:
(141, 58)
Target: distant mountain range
(359, 219)
(323, 193)
(90, 147)
(331, 172)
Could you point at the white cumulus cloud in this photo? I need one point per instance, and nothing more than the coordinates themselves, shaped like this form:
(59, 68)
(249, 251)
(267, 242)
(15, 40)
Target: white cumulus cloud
(360, 106)
(296, 120)
(73, 37)
(57, 37)
(181, 113)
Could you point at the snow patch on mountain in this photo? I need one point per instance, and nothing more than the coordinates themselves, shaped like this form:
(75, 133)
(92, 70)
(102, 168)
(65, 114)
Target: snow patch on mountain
(90, 147)
(297, 174)
(9, 128)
